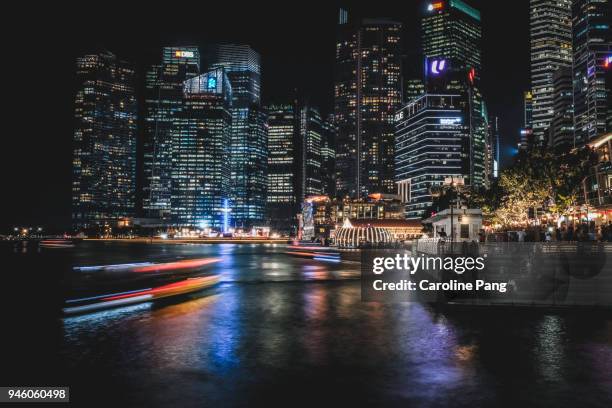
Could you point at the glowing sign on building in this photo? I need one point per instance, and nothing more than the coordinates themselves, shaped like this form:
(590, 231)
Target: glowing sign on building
(608, 61)
(437, 66)
(211, 83)
(472, 75)
(183, 54)
(435, 6)
(449, 121)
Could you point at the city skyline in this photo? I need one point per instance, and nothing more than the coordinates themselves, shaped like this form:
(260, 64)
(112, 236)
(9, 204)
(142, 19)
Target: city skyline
(391, 203)
(273, 91)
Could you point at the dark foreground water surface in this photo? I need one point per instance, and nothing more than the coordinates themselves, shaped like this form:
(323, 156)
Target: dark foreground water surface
(286, 331)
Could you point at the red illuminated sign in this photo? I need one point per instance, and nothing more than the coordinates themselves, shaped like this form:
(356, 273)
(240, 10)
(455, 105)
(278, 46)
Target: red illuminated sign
(472, 75)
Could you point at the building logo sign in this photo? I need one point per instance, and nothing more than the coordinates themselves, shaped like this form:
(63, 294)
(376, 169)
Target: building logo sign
(211, 83)
(472, 75)
(435, 6)
(449, 121)
(183, 54)
(437, 66)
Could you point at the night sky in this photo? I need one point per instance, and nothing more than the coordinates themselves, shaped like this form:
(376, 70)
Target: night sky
(295, 39)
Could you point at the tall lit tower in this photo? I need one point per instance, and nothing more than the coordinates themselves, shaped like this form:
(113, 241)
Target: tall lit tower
(200, 146)
(451, 30)
(561, 129)
(248, 156)
(551, 49)
(164, 100)
(431, 139)
(592, 69)
(282, 205)
(328, 157)
(452, 36)
(104, 141)
(367, 90)
(309, 172)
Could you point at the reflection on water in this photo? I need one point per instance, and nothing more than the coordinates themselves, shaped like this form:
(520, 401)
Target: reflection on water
(288, 330)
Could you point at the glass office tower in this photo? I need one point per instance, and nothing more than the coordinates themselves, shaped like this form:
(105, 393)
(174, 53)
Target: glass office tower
(328, 157)
(300, 157)
(592, 44)
(164, 100)
(104, 141)
(551, 49)
(311, 133)
(282, 167)
(451, 30)
(432, 139)
(249, 142)
(200, 147)
(561, 129)
(367, 91)
(451, 35)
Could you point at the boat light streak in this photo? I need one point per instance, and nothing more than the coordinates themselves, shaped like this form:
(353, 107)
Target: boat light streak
(189, 263)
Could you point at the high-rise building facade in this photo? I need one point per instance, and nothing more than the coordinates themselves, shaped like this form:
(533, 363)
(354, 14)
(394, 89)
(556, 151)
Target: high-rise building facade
(414, 89)
(164, 100)
(249, 143)
(494, 147)
(300, 160)
(432, 144)
(561, 129)
(311, 133)
(282, 207)
(328, 157)
(592, 45)
(451, 31)
(200, 147)
(551, 49)
(451, 35)
(104, 141)
(367, 91)
(527, 110)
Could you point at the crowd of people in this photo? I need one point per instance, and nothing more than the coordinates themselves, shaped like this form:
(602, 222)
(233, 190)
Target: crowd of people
(582, 232)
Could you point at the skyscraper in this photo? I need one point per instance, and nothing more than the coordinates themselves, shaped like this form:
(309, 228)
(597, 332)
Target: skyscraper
(164, 100)
(562, 125)
(200, 146)
(328, 157)
(432, 138)
(592, 44)
(104, 142)
(311, 132)
(367, 90)
(451, 33)
(300, 144)
(283, 132)
(551, 49)
(249, 142)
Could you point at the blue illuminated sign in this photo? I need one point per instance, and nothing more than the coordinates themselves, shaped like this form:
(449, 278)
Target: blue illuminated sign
(212, 82)
(437, 66)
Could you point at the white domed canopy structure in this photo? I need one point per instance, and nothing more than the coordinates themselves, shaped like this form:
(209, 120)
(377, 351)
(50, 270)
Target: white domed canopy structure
(348, 236)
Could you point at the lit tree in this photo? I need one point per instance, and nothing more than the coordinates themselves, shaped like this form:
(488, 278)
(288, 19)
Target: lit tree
(540, 178)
